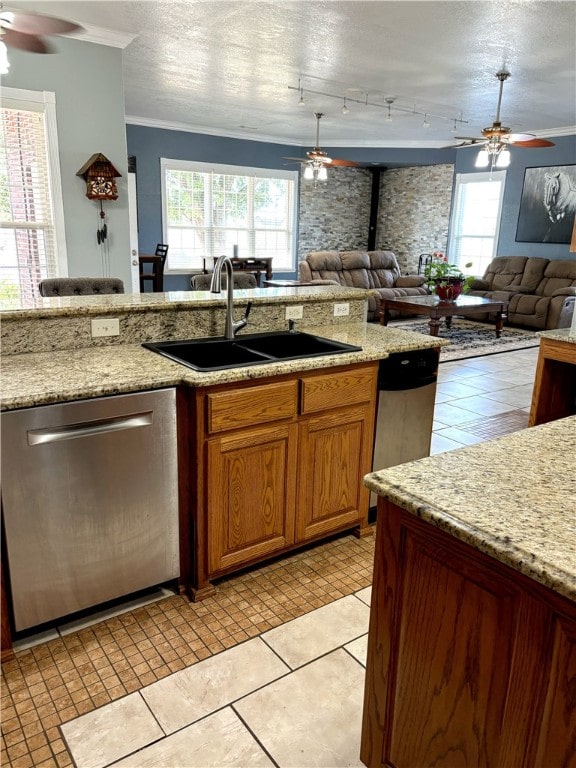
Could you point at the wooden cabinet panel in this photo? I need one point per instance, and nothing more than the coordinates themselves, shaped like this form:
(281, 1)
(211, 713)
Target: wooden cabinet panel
(557, 745)
(255, 405)
(332, 454)
(335, 390)
(469, 662)
(554, 394)
(251, 495)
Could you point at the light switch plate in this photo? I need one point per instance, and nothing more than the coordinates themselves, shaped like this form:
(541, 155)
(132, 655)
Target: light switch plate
(105, 326)
(294, 312)
(340, 310)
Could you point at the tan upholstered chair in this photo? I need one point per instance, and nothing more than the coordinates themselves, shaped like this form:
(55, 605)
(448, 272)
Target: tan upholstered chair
(240, 280)
(80, 286)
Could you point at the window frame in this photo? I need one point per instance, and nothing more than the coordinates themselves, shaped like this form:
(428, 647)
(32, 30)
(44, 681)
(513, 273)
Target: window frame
(469, 178)
(168, 164)
(45, 102)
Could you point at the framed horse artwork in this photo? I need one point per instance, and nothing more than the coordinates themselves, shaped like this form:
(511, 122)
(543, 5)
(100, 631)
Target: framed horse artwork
(547, 205)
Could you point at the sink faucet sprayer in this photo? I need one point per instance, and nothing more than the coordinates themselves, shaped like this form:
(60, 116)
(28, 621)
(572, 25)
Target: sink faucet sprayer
(232, 327)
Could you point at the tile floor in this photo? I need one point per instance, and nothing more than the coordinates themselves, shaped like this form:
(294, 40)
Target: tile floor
(267, 672)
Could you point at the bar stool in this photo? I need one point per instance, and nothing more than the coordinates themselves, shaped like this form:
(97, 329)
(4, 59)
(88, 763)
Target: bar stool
(156, 274)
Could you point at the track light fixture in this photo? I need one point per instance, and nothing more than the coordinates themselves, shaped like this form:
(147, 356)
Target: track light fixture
(329, 89)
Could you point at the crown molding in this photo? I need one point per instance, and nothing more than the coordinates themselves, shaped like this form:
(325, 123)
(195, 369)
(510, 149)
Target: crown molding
(147, 122)
(102, 36)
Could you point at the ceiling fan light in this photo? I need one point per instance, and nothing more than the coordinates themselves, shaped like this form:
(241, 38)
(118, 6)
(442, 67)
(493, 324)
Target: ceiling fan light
(4, 63)
(482, 159)
(301, 102)
(503, 159)
(345, 108)
(308, 172)
(322, 173)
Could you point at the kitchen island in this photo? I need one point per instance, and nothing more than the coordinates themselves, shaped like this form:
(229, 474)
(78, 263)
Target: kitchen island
(266, 425)
(472, 643)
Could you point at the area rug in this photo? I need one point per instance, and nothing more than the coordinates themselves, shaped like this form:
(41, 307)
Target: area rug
(470, 339)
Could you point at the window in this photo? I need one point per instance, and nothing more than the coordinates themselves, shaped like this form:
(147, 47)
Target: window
(476, 219)
(208, 209)
(31, 232)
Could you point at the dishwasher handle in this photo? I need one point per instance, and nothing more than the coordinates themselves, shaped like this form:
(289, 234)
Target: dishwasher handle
(88, 429)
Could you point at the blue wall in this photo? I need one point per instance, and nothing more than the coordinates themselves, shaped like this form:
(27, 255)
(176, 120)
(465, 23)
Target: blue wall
(150, 144)
(563, 153)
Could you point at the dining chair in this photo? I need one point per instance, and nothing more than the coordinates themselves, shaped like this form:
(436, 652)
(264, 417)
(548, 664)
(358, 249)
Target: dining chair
(156, 274)
(80, 286)
(239, 280)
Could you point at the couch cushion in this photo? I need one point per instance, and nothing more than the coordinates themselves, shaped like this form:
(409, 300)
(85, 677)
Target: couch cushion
(558, 274)
(355, 260)
(324, 261)
(533, 273)
(504, 271)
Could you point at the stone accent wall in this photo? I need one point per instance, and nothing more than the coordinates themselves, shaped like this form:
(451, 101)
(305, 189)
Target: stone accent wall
(335, 214)
(414, 212)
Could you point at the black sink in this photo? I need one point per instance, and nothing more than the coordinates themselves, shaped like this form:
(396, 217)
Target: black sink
(215, 354)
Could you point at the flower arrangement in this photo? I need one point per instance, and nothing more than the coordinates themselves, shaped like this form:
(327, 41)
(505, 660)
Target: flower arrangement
(439, 273)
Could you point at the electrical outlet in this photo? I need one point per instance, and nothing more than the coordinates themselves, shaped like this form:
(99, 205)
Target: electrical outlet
(294, 312)
(105, 326)
(340, 310)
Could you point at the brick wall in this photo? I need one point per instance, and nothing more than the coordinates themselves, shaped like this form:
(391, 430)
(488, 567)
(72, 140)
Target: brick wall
(414, 211)
(412, 219)
(334, 214)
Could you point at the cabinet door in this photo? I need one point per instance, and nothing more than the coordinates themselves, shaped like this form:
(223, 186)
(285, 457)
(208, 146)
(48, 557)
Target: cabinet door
(334, 454)
(250, 494)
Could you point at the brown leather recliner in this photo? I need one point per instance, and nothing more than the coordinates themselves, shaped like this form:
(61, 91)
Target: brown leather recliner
(537, 290)
(361, 269)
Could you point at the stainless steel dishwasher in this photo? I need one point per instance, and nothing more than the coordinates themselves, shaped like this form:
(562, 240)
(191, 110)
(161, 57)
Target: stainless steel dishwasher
(407, 391)
(90, 500)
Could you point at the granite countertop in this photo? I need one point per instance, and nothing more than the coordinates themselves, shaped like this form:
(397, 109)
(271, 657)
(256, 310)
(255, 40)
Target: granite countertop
(74, 306)
(560, 334)
(513, 498)
(40, 378)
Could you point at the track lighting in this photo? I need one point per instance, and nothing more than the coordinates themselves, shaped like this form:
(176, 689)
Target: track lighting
(332, 89)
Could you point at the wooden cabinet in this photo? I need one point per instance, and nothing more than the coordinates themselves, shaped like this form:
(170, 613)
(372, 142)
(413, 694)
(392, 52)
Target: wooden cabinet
(469, 662)
(554, 394)
(277, 464)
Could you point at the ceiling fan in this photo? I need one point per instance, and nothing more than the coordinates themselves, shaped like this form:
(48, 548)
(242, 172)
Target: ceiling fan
(496, 138)
(317, 160)
(27, 30)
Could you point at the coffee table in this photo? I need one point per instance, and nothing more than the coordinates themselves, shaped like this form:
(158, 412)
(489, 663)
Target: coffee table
(436, 309)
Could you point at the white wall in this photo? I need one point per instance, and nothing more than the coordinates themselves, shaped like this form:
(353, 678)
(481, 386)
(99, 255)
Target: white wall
(87, 81)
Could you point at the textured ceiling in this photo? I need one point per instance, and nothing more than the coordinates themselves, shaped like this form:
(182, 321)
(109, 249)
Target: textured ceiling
(226, 67)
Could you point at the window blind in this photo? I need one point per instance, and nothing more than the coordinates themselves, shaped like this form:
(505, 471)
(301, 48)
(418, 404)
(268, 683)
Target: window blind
(210, 209)
(476, 220)
(27, 238)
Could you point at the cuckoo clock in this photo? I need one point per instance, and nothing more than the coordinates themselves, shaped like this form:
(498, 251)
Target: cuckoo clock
(100, 175)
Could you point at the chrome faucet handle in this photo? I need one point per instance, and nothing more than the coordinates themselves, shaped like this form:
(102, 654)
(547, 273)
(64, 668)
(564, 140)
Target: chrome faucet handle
(239, 324)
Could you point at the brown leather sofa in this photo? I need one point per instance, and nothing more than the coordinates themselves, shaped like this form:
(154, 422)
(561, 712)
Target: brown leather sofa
(361, 269)
(540, 292)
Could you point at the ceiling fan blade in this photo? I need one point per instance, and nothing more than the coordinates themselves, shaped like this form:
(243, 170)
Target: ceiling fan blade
(472, 139)
(30, 43)
(296, 159)
(36, 24)
(514, 137)
(535, 143)
(344, 163)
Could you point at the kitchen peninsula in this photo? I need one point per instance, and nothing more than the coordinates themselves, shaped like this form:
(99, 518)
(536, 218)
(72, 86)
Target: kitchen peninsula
(472, 644)
(272, 421)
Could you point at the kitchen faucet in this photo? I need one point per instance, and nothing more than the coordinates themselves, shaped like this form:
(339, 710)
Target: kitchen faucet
(231, 327)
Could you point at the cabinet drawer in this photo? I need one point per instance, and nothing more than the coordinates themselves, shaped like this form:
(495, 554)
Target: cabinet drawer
(336, 389)
(252, 405)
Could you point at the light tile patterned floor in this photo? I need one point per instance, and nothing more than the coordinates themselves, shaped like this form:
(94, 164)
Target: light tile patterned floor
(112, 670)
